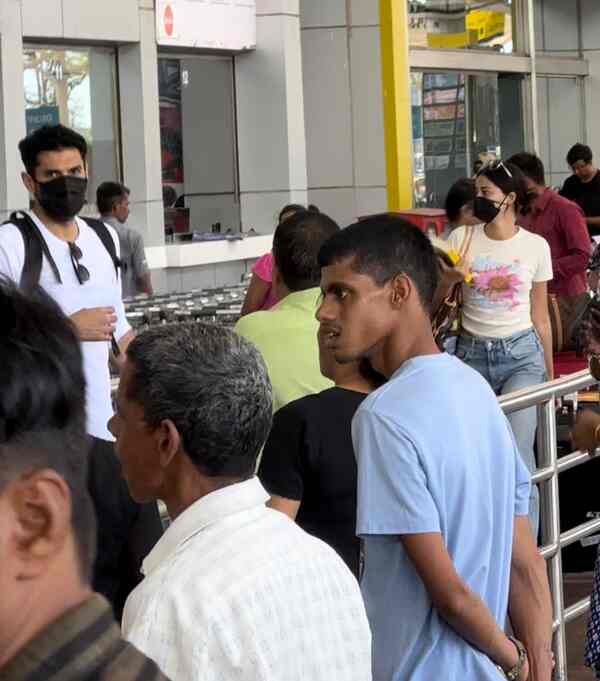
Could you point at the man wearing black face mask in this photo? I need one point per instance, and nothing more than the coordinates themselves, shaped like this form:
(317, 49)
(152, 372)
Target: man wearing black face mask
(77, 269)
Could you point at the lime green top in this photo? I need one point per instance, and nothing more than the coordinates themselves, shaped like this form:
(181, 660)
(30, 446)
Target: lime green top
(286, 336)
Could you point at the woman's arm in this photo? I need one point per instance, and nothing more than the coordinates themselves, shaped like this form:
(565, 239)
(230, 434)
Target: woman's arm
(540, 317)
(256, 295)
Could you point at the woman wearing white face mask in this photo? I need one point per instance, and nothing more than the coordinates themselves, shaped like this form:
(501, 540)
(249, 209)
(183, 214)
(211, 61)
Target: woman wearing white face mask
(506, 334)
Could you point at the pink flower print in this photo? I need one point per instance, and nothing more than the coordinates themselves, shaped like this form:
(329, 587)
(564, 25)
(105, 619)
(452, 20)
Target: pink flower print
(499, 284)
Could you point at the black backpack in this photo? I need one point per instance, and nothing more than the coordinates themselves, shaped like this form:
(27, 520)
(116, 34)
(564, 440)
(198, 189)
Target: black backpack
(36, 248)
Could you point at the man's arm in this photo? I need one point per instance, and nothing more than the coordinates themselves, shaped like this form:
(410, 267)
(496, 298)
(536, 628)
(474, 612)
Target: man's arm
(530, 604)
(289, 507)
(577, 241)
(124, 341)
(143, 278)
(144, 283)
(464, 611)
(540, 318)
(586, 431)
(593, 222)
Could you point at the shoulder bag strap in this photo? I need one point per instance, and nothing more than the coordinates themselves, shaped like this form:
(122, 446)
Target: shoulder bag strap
(466, 242)
(107, 241)
(35, 250)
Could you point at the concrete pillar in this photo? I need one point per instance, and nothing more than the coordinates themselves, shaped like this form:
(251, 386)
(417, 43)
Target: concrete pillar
(270, 117)
(12, 112)
(140, 137)
(103, 153)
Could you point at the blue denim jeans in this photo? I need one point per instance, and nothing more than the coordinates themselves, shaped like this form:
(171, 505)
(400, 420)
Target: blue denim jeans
(509, 364)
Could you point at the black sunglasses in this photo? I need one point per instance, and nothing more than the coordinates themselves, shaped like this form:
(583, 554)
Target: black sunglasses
(81, 271)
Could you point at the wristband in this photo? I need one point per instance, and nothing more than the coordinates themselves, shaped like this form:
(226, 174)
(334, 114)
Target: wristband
(514, 673)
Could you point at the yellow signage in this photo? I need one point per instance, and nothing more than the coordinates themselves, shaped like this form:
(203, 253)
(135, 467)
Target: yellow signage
(452, 41)
(487, 23)
(481, 25)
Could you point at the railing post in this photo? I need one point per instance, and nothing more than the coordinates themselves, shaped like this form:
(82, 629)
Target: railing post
(550, 517)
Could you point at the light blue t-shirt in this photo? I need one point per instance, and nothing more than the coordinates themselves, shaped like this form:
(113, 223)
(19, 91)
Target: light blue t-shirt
(435, 453)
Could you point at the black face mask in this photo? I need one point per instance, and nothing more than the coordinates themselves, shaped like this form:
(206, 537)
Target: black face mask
(63, 197)
(485, 209)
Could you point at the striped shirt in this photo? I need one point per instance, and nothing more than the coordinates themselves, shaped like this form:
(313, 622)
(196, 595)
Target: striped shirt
(83, 644)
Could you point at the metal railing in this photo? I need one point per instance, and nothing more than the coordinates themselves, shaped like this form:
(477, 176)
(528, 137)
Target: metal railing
(544, 397)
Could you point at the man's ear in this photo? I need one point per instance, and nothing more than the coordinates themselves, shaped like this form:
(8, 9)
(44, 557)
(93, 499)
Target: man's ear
(401, 287)
(29, 182)
(168, 442)
(41, 503)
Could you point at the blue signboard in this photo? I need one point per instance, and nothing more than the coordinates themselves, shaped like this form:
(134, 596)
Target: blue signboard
(40, 116)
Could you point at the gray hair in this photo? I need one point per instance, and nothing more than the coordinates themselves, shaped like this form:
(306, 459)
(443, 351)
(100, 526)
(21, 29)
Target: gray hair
(213, 385)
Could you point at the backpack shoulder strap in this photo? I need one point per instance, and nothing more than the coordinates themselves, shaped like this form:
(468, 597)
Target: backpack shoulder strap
(107, 241)
(35, 250)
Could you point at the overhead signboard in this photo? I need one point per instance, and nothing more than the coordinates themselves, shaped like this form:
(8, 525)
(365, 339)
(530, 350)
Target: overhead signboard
(40, 116)
(208, 24)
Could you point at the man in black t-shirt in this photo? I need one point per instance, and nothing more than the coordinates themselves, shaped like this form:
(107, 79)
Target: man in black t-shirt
(583, 187)
(308, 463)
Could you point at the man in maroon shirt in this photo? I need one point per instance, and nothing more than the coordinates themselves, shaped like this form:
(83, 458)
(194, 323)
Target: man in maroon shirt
(562, 223)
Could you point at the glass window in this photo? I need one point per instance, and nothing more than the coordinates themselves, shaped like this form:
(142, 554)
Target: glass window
(197, 130)
(75, 86)
(455, 24)
(459, 119)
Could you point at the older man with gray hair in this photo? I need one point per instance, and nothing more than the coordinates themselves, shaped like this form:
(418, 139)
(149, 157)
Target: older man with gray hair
(233, 590)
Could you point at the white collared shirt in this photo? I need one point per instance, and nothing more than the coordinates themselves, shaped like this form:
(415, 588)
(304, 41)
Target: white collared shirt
(235, 591)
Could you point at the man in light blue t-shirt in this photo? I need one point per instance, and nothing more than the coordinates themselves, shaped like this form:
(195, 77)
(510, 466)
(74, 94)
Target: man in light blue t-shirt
(442, 491)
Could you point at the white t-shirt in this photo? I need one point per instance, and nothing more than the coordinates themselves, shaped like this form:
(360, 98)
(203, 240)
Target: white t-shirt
(496, 304)
(102, 290)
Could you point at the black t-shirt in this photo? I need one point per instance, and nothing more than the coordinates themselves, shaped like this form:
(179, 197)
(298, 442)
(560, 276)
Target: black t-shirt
(309, 456)
(586, 195)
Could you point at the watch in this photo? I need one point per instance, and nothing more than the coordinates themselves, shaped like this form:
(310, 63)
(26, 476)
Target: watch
(514, 673)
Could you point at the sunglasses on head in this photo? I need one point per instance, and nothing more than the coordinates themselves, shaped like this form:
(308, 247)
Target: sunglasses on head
(494, 165)
(81, 271)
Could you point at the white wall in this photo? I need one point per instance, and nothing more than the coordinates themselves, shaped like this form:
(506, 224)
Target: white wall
(113, 20)
(343, 107)
(590, 43)
(557, 27)
(271, 130)
(560, 124)
(561, 104)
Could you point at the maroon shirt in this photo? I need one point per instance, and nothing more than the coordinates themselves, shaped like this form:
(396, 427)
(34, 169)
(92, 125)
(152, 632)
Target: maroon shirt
(562, 223)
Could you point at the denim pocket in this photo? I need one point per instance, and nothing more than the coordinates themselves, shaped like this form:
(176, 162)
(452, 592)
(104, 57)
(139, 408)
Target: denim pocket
(527, 346)
(464, 351)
